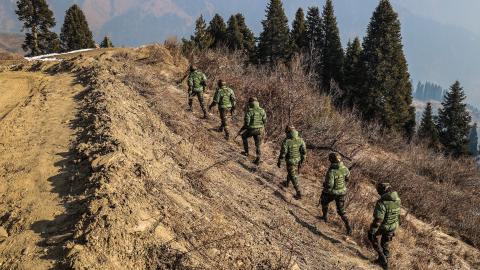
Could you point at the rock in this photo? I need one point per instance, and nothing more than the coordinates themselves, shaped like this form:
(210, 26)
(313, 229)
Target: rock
(3, 234)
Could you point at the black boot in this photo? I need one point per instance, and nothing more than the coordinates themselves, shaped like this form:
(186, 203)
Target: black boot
(298, 196)
(257, 161)
(347, 225)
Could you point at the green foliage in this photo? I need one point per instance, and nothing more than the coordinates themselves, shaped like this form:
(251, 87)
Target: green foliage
(473, 141)
(248, 36)
(75, 33)
(314, 30)
(202, 38)
(274, 42)
(454, 122)
(234, 39)
(38, 19)
(299, 32)
(353, 68)
(387, 92)
(428, 132)
(217, 30)
(331, 49)
(106, 43)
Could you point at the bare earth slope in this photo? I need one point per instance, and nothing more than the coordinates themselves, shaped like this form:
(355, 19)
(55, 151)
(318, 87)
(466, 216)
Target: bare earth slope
(35, 135)
(164, 190)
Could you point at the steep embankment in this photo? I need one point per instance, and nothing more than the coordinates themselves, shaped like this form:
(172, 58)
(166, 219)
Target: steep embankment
(165, 191)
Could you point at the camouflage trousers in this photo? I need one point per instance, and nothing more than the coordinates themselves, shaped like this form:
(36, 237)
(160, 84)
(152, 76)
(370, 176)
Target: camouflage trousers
(201, 100)
(327, 198)
(257, 134)
(292, 176)
(224, 121)
(382, 247)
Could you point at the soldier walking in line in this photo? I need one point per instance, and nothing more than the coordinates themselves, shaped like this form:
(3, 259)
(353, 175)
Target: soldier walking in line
(254, 126)
(197, 81)
(294, 152)
(335, 189)
(225, 99)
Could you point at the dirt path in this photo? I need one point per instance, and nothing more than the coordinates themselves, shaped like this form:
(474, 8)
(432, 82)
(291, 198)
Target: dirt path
(36, 113)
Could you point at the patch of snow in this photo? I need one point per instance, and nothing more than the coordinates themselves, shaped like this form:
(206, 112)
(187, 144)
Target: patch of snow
(50, 57)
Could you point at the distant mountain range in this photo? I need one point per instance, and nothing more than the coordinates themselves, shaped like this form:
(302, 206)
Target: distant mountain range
(441, 45)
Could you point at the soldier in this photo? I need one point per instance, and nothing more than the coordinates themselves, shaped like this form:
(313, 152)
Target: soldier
(335, 189)
(294, 152)
(254, 126)
(385, 223)
(225, 98)
(197, 81)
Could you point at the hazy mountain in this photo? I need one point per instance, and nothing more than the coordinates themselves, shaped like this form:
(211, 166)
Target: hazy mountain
(441, 37)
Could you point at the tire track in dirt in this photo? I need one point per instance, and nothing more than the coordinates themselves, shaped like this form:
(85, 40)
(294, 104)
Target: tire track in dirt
(36, 168)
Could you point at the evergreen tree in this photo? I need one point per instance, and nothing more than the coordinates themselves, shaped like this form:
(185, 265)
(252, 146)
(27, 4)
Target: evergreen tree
(106, 43)
(332, 52)
(299, 32)
(248, 36)
(454, 121)
(217, 30)
(274, 40)
(202, 38)
(75, 33)
(234, 36)
(473, 141)
(353, 68)
(428, 132)
(387, 91)
(38, 19)
(314, 40)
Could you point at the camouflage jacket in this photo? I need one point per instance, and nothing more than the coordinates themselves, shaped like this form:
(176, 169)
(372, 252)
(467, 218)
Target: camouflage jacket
(336, 179)
(294, 150)
(225, 98)
(197, 81)
(387, 210)
(255, 117)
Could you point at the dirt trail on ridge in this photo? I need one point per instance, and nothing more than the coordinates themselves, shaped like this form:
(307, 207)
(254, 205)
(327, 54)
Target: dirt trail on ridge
(36, 113)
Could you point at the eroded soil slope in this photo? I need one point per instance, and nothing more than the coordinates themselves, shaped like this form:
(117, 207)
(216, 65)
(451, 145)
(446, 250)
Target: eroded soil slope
(36, 129)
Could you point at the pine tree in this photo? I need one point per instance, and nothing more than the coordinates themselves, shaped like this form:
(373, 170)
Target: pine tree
(202, 38)
(234, 36)
(473, 141)
(38, 19)
(299, 32)
(106, 43)
(427, 131)
(332, 51)
(314, 39)
(274, 40)
(387, 91)
(75, 33)
(217, 30)
(454, 121)
(353, 68)
(248, 36)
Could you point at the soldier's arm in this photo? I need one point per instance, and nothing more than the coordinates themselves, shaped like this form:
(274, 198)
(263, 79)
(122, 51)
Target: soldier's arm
(246, 120)
(233, 99)
(329, 180)
(378, 216)
(264, 118)
(190, 83)
(216, 99)
(303, 152)
(347, 175)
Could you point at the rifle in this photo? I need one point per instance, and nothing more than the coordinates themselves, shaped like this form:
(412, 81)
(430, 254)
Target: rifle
(240, 132)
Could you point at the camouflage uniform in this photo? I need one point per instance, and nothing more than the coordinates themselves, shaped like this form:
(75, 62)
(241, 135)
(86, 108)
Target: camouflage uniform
(294, 152)
(386, 221)
(254, 124)
(196, 87)
(335, 189)
(225, 98)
